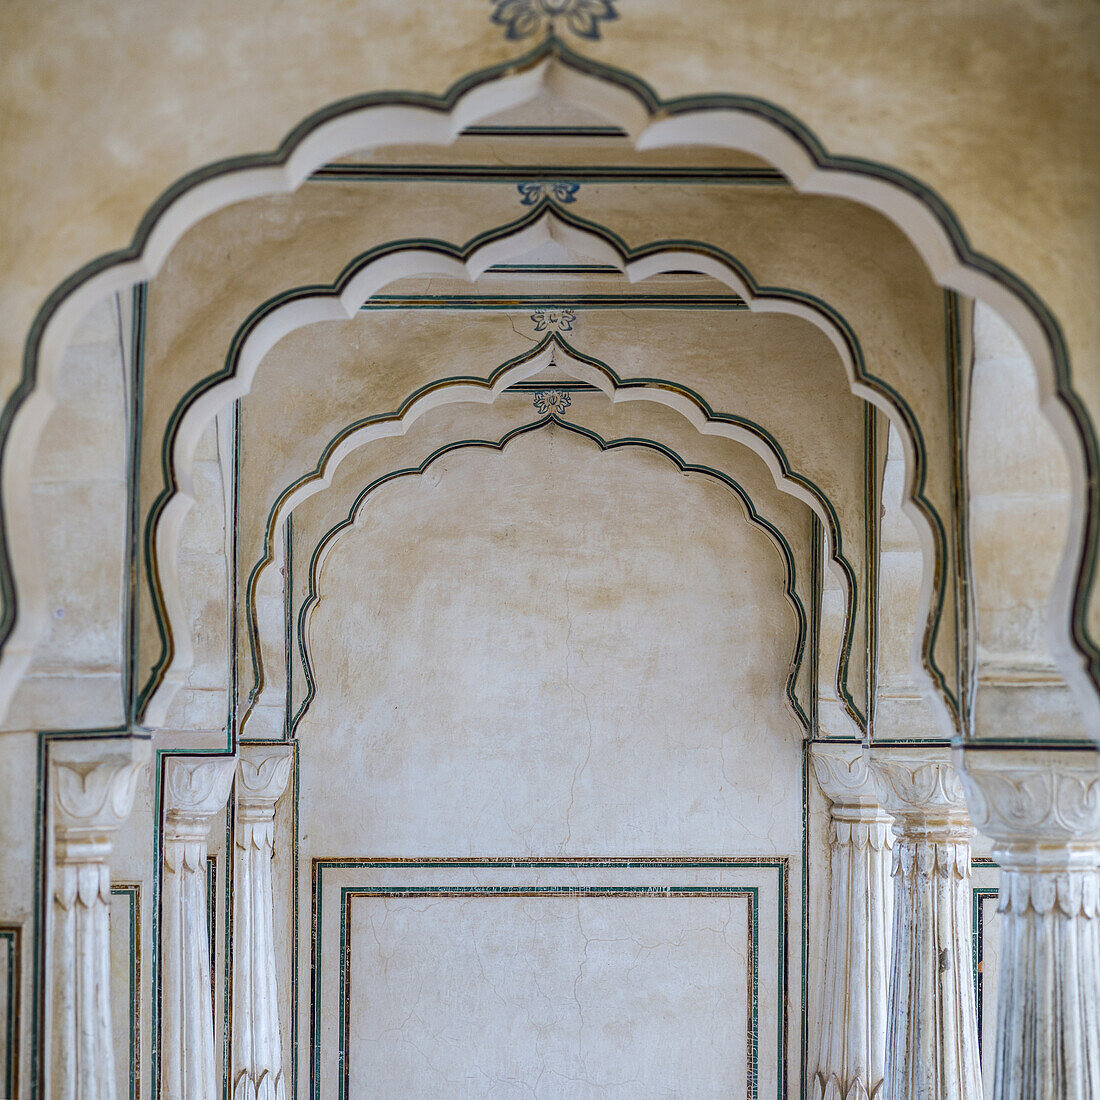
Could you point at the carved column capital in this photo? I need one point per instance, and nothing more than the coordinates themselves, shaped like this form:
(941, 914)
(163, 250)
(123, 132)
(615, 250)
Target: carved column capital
(263, 774)
(843, 774)
(195, 788)
(94, 781)
(1040, 807)
(93, 785)
(921, 790)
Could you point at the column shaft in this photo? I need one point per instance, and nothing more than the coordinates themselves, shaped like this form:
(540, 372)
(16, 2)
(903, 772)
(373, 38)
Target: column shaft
(932, 1028)
(257, 1043)
(851, 1043)
(194, 790)
(93, 792)
(1042, 810)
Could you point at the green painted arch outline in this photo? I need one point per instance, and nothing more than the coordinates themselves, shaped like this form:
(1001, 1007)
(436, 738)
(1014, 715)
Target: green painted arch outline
(651, 122)
(532, 360)
(330, 537)
(517, 235)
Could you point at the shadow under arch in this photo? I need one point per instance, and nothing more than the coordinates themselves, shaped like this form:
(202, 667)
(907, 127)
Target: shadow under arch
(367, 273)
(554, 348)
(734, 121)
(331, 537)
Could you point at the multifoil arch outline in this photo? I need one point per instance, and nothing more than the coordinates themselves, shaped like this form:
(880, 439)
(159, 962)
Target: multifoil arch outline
(331, 537)
(555, 348)
(725, 120)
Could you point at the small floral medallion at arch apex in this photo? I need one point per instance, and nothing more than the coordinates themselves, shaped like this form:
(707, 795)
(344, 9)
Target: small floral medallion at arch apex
(552, 402)
(525, 18)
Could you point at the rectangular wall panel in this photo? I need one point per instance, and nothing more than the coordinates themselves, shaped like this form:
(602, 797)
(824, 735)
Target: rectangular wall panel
(126, 985)
(581, 978)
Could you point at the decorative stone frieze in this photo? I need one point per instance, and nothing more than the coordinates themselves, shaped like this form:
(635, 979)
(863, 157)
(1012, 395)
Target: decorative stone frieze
(1041, 808)
(195, 789)
(256, 1045)
(851, 1044)
(932, 1027)
(93, 785)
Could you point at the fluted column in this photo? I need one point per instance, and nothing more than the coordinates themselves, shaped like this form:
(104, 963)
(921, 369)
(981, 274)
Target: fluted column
(195, 789)
(851, 1044)
(932, 1026)
(257, 1045)
(1042, 811)
(93, 784)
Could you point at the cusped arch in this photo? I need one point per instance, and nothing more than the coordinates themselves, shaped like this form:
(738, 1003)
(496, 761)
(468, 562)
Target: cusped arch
(731, 121)
(586, 369)
(368, 273)
(331, 538)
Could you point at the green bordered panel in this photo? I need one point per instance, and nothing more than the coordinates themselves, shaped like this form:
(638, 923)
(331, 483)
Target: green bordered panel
(11, 973)
(985, 931)
(126, 984)
(358, 903)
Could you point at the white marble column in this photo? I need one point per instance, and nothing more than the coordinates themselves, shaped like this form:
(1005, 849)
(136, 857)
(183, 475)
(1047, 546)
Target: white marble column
(932, 1026)
(1042, 811)
(195, 789)
(93, 784)
(851, 1045)
(257, 1046)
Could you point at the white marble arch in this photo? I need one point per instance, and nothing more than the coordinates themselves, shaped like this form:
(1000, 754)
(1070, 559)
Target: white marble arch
(730, 122)
(553, 351)
(765, 507)
(510, 243)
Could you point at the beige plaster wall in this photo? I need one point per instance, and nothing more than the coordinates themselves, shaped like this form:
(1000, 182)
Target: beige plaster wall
(549, 652)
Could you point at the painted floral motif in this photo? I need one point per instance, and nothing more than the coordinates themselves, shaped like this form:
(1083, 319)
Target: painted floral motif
(554, 320)
(524, 18)
(552, 402)
(530, 193)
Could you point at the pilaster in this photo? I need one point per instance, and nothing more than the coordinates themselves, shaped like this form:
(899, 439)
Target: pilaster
(257, 1044)
(932, 1028)
(851, 1046)
(93, 784)
(1041, 808)
(195, 789)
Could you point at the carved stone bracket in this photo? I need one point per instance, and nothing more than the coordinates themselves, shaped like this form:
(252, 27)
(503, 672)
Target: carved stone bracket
(851, 1043)
(257, 1045)
(195, 789)
(932, 1027)
(93, 785)
(1042, 811)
